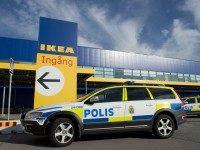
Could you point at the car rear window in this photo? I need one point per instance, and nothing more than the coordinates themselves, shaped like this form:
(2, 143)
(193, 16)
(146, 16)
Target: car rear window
(159, 93)
(191, 100)
(198, 99)
(137, 93)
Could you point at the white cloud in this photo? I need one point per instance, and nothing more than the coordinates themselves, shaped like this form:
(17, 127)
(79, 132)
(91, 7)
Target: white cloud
(193, 6)
(183, 43)
(82, 41)
(124, 33)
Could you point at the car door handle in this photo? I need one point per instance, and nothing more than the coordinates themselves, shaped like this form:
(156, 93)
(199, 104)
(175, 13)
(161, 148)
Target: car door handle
(149, 105)
(118, 106)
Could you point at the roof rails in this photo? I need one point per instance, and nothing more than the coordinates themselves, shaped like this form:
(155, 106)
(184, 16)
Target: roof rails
(134, 83)
(129, 83)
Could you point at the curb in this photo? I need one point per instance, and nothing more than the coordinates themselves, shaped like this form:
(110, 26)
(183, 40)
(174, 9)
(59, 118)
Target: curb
(12, 126)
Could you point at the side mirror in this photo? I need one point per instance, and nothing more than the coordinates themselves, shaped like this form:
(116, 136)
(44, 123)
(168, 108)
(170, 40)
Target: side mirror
(94, 99)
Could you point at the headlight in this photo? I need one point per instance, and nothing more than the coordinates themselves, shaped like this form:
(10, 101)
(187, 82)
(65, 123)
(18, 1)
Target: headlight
(33, 115)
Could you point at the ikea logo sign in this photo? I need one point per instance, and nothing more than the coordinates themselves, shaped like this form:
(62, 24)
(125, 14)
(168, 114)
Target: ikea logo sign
(55, 49)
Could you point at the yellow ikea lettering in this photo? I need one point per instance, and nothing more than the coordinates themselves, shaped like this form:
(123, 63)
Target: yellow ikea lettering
(51, 48)
(42, 47)
(69, 50)
(54, 48)
(61, 49)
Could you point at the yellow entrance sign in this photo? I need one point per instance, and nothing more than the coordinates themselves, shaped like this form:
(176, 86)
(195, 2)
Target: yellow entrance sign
(56, 79)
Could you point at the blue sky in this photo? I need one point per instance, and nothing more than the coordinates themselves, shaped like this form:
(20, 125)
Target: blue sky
(169, 28)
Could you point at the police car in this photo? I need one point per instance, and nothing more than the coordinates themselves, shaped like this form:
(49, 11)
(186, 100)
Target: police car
(192, 105)
(117, 108)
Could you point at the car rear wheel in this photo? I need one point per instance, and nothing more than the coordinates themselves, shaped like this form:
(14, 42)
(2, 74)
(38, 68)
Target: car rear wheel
(164, 126)
(62, 132)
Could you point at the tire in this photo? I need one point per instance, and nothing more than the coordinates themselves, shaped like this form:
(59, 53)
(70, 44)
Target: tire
(62, 132)
(164, 126)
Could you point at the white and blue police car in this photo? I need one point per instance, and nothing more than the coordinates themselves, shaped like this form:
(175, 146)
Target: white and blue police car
(117, 108)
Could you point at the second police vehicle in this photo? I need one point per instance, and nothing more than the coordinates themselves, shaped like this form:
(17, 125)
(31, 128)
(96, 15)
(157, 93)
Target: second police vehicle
(118, 108)
(192, 105)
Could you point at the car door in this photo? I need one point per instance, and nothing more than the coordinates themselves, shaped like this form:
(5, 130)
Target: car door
(140, 108)
(106, 112)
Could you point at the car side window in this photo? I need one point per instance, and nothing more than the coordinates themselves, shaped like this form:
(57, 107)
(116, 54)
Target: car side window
(109, 95)
(160, 93)
(137, 93)
(190, 100)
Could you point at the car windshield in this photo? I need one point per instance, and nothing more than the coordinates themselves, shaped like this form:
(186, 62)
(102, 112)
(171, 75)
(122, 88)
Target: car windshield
(80, 99)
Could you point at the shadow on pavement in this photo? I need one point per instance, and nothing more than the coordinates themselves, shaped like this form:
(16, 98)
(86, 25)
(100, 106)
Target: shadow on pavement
(144, 135)
(32, 140)
(193, 118)
(14, 129)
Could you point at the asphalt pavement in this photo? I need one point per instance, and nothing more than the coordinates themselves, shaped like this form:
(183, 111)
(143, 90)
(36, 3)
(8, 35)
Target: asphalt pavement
(186, 138)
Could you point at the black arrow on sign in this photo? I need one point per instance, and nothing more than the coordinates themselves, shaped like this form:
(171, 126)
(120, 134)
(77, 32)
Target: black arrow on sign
(41, 80)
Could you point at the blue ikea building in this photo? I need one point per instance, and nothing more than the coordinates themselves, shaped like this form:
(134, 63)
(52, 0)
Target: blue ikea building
(109, 66)
(111, 63)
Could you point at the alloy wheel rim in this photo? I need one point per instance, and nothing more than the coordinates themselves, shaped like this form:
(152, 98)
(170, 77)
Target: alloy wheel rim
(64, 132)
(165, 126)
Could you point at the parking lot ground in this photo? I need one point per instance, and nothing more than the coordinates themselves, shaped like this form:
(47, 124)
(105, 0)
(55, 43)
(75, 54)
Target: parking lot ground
(186, 138)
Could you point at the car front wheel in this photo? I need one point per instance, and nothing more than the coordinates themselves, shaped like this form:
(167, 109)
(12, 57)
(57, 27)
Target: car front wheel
(62, 132)
(164, 126)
